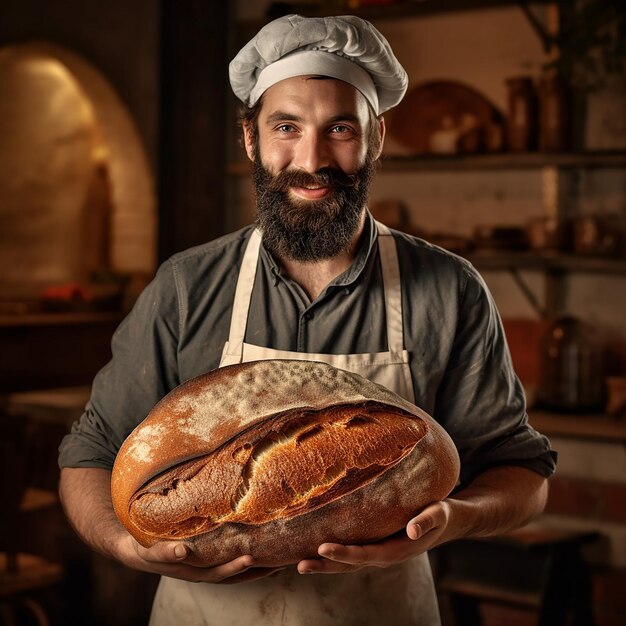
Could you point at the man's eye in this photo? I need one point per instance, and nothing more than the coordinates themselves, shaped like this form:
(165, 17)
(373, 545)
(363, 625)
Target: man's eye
(285, 128)
(340, 128)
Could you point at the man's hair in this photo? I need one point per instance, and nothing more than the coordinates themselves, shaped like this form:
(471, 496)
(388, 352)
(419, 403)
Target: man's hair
(249, 116)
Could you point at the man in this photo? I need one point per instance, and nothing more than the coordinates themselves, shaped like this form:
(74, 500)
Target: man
(317, 280)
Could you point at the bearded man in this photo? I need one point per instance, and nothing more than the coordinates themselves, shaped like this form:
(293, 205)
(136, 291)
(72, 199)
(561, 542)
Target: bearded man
(317, 279)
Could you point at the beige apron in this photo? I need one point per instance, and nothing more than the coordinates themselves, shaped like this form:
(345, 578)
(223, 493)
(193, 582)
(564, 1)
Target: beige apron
(403, 595)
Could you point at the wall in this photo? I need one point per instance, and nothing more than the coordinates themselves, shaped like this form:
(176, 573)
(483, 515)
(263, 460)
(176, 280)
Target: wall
(119, 38)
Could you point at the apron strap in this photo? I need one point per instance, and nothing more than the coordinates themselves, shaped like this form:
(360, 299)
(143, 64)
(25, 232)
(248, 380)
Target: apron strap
(392, 287)
(243, 294)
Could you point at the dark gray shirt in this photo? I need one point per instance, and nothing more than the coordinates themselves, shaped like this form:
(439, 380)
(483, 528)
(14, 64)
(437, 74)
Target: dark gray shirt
(459, 360)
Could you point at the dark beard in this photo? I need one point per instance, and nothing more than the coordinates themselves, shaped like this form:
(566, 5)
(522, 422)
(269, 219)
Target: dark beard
(313, 230)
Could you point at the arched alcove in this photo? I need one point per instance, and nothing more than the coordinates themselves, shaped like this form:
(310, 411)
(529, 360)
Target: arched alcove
(76, 191)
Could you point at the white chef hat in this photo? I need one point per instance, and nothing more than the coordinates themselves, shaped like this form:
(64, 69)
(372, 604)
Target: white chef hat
(344, 47)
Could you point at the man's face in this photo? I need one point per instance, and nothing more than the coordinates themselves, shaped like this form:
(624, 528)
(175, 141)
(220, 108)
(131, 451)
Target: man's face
(314, 159)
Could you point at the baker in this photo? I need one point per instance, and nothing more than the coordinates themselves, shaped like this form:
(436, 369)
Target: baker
(317, 278)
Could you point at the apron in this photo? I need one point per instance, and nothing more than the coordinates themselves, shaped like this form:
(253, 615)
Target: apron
(402, 595)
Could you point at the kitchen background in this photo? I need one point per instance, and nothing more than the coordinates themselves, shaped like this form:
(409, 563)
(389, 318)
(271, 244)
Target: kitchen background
(118, 147)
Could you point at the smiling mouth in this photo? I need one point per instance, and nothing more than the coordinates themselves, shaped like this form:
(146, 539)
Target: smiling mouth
(311, 192)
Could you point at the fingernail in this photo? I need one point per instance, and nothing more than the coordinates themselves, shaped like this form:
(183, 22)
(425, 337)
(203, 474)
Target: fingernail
(180, 551)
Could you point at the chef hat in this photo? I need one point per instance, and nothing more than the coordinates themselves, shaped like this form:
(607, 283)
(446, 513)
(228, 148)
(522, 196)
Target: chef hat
(344, 47)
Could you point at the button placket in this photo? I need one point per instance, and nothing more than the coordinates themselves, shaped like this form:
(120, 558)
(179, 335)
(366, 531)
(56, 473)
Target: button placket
(305, 317)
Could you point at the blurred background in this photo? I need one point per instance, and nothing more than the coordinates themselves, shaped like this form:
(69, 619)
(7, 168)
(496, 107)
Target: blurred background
(119, 147)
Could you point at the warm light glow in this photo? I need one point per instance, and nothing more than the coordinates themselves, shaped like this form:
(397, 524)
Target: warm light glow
(76, 190)
(48, 136)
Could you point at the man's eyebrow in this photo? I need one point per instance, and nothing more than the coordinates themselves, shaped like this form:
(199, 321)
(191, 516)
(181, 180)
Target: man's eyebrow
(283, 116)
(345, 117)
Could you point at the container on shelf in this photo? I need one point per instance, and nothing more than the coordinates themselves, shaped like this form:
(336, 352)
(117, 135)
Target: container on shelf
(548, 234)
(572, 367)
(616, 396)
(554, 115)
(598, 235)
(521, 114)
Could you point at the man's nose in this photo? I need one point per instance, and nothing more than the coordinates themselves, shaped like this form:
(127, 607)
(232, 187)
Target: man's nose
(312, 153)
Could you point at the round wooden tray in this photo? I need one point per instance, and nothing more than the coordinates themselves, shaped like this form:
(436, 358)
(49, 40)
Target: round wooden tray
(450, 106)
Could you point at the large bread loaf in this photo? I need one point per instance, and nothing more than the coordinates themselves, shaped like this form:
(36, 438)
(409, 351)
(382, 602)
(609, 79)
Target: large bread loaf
(273, 458)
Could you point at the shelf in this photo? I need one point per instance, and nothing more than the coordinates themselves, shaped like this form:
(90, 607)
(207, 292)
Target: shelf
(534, 261)
(59, 319)
(485, 162)
(505, 161)
(60, 405)
(392, 10)
(588, 427)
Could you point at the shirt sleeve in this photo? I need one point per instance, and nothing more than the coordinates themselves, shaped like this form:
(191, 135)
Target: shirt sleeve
(142, 370)
(480, 400)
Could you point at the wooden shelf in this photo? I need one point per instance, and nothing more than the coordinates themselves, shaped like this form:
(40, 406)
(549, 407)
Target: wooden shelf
(505, 161)
(489, 592)
(58, 319)
(588, 427)
(393, 10)
(485, 162)
(535, 261)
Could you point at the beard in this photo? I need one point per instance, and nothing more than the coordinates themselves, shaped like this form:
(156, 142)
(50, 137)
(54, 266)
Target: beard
(314, 230)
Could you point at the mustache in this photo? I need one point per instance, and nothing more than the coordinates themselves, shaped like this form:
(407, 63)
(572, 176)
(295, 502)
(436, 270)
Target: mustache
(324, 177)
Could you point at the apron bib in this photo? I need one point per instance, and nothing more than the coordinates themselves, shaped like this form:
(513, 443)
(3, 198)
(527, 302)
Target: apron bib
(402, 595)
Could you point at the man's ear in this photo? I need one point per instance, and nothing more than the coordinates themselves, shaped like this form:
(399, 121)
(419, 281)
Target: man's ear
(381, 134)
(248, 139)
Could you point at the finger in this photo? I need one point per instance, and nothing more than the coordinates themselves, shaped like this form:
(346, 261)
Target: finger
(253, 573)
(324, 566)
(420, 525)
(218, 574)
(169, 558)
(354, 555)
(163, 552)
(230, 569)
(414, 530)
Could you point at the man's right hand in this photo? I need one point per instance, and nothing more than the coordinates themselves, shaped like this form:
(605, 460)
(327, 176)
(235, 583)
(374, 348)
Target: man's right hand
(169, 558)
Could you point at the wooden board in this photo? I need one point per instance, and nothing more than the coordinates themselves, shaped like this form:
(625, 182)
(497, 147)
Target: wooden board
(451, 106)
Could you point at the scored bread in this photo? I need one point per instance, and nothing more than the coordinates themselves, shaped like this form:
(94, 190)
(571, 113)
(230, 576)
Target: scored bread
(273, 458)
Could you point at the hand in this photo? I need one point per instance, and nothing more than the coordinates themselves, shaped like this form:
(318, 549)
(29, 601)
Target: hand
(169, 558)
(423, 532)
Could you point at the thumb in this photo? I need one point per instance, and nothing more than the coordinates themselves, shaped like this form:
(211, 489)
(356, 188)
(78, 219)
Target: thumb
(164, 552)
(420, 525)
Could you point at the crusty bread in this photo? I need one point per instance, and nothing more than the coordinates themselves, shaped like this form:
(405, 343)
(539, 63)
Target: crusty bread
(273, 458)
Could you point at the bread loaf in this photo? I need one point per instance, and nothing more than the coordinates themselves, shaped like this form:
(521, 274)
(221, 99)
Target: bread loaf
(273, 458)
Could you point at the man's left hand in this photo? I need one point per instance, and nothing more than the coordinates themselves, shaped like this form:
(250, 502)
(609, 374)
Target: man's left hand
(422, 533)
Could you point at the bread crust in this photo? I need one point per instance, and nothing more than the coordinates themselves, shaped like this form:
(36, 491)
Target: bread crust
(273, 458)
